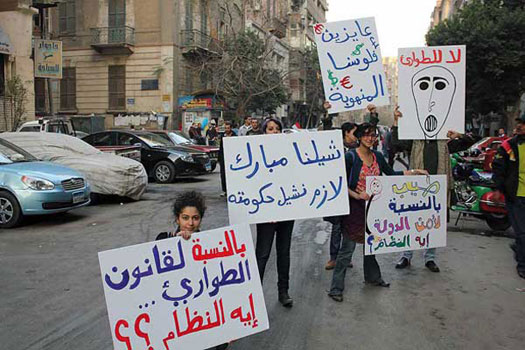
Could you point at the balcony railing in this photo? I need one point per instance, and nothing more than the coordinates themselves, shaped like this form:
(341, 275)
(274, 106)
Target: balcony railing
(113, 40)
(195, 41)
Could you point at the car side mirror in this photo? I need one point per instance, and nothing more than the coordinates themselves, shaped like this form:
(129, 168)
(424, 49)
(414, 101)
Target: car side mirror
(138, 144)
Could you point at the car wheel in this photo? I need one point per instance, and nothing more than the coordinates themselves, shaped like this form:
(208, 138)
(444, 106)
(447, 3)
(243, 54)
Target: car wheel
(213, 166)
(10, 213)
(164, 172)
(498, 223)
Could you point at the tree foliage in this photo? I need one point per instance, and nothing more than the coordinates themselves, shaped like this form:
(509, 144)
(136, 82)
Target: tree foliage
(494, 33)
(245, 73)
(14, 103)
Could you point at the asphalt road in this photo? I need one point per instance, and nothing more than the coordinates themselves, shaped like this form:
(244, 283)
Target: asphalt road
(51, 294)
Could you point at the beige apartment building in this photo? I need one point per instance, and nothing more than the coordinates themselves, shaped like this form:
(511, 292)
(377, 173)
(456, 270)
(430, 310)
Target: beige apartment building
(129, 58)
(16, 18)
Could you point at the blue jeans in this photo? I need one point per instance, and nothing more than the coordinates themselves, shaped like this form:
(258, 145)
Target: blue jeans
(516, 211)
(343, 259)
(430, 254)
(335, 240)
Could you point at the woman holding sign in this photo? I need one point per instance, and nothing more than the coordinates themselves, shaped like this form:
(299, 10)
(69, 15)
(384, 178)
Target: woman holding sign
(283, 231)
(360, 163)
(188, 208)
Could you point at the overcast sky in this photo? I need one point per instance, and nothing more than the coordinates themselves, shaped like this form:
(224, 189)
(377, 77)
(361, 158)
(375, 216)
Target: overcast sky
(400, 23)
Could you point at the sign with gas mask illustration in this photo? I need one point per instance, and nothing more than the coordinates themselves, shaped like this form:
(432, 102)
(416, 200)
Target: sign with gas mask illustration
(431, 91)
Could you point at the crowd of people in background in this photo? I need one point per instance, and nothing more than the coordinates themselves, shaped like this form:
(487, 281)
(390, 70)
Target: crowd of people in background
(361, 144)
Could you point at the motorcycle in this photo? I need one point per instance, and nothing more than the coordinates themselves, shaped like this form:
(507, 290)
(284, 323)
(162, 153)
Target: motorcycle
(474, 194)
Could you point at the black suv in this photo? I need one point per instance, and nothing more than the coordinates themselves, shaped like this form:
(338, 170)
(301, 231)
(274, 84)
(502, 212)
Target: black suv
(163, 160)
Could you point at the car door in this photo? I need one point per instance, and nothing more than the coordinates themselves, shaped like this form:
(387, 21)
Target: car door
(127, 139)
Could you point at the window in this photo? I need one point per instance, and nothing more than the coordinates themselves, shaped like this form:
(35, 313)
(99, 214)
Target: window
(102, 139)
(68, 89)
(189, 15)
(117, 87)
(40, 96)
(117, 21)
(127, 140)
(2, 75)
(66, 14)
(149, 84)
(34, 128)
(117, 13)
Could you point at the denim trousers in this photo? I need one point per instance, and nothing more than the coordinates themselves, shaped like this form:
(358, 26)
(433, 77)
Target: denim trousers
(335, 240)
(516, 211)
(430, 254)
(370, 266)
(265, 234)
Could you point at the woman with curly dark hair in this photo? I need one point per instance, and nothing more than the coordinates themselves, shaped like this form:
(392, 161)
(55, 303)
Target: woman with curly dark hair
(189, 208)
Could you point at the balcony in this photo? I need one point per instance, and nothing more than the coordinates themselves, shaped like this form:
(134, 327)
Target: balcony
(113, 40)
(278, 27)
(195, 43)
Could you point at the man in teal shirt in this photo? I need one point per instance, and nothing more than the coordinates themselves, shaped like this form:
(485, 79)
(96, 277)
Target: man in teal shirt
(509, 175)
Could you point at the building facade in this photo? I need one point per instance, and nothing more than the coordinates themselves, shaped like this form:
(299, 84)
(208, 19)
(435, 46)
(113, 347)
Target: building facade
(130, 57)
(444, 9)
(16, 18)
(303, 14)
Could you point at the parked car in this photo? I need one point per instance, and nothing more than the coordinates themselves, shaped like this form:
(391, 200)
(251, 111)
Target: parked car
(178, 138)
(60, 126)
(162, 159)
(32, 187)
(107, 174)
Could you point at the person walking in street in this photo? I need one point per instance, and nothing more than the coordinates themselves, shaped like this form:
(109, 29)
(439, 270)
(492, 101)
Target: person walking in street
(212, 134)
(228, 132)
(360, 163)
(509, 175)
(282, 231)
(434, 156)
(243, 130)
(349, 142)
(255, 127)
(188, 210)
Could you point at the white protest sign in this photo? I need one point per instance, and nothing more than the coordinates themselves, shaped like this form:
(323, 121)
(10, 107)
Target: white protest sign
(405, 213)
(431, 91)
(175, 294)
(285, 176)
(351, 64)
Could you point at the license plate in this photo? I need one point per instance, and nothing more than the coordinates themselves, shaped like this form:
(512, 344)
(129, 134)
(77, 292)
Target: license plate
(78, 197)
(208, 166)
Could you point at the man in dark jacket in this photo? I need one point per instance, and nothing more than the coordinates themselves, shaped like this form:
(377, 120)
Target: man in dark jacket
(228, 132)
(509, 175)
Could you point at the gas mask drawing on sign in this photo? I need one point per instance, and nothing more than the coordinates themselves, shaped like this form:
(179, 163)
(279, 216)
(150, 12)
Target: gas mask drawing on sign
(433, 89)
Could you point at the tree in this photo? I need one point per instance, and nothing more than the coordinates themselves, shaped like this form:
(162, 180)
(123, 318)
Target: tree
(244, 72)
(14, 103)
(494, 33)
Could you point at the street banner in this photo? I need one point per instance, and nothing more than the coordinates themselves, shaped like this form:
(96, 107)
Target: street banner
(285, 176)
(431, 91)
(351, 64)
(48, 59)
(177, 294)
(405, 213)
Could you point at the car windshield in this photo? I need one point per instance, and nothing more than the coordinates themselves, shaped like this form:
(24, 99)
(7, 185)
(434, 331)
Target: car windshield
(178, 139)
(154, 140)
(10, 153)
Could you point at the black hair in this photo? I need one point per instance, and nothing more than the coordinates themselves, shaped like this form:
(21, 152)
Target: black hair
(246, 117)
(276, 121)
(346, 127)
(228, 122)
(189, 199)
(364, 128)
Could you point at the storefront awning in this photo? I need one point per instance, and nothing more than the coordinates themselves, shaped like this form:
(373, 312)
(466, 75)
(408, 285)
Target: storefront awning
(5, 43)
